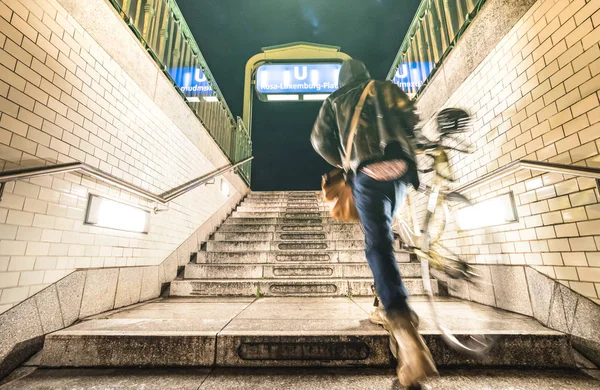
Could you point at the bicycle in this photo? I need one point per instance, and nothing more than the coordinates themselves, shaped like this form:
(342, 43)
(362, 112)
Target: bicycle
(424, 240)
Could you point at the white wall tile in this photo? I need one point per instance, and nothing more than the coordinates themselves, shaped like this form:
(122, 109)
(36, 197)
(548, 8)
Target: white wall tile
(559, 215)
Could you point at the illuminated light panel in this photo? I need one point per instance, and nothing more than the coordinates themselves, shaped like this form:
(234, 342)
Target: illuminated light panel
(224, 187)
(275, 98)
(211, 99)
(316, 96)
(110, 214)
(297, 78)
(193, 99)
(489, 212)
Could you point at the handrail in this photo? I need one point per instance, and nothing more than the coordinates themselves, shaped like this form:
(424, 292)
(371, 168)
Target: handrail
(433, 33)
(162, 30)
(499, 173)
(163, 198)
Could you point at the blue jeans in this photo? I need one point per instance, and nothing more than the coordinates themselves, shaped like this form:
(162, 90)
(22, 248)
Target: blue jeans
(377, 203)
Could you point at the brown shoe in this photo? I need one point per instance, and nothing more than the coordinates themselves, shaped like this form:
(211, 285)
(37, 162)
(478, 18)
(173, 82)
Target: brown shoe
(415, 363)
(378, 317)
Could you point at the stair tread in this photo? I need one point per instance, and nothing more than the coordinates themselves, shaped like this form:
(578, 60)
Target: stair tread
(220, 315)
(314, 379)
(290, 280)
(291, 263)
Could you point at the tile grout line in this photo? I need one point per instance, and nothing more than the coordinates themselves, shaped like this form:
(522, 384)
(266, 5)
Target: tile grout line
(212, 370)
(224, 326)
(359, 306)
(529, 294)
(85, 280)
(116, 289)
(60, 307)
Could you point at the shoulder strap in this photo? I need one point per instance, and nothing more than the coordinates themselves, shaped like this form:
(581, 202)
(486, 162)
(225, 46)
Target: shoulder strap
(354, 124)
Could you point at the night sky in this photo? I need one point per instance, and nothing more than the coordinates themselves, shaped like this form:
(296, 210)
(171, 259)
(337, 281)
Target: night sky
(229, 32)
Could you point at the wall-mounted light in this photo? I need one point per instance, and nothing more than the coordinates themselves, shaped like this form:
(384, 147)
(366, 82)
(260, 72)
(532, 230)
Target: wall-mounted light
(282, 98)
(211, 99)
(316, 96)
(224, 187)
(111, 214)
(489, 212)
(193, 99)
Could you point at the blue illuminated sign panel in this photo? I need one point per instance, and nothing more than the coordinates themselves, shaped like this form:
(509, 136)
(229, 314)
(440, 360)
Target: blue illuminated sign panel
(191, 81)
(410, 76)
(297, 78)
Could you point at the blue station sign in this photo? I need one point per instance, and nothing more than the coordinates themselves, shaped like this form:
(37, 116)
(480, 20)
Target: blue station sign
(315, 78)
(191, 81)
(410, 76)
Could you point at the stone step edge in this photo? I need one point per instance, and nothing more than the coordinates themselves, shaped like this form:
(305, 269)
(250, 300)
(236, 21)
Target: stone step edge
(305, 252)
(311, 241)
(222, 349)
(340, 263)
(309, 251)
(218, 237)
(287, 280)
(279, 241)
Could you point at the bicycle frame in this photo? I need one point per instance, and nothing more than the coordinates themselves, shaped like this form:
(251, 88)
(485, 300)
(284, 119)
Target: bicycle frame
(436, 197)
(434, 255)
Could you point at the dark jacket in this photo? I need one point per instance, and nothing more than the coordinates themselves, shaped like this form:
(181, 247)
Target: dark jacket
(385, 129)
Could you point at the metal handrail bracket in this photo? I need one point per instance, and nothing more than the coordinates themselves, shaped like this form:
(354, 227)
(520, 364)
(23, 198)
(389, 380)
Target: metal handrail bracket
(499, 173)
(165, 197)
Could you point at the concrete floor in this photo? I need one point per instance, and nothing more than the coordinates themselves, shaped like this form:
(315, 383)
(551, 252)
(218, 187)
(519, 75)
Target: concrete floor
(300, 379)
(302, 315)
(280, 315)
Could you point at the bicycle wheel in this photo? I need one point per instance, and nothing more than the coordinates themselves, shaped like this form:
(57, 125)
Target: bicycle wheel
(455, 270)
(476, 344)
(437, 222)
(436, 215)
(405, 223)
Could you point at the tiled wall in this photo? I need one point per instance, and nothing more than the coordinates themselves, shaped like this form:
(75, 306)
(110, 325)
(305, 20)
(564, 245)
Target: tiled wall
(522, 289)
(69, 93)
(536, 96)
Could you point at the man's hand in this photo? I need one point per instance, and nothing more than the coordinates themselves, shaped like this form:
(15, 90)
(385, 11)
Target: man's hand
(386, 170)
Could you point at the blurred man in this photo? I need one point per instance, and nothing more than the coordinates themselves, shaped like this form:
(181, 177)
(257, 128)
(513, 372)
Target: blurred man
(382, 163)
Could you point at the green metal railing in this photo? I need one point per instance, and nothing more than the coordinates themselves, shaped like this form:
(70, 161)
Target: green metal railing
(162, 30)
(433, 33)
(243, 149)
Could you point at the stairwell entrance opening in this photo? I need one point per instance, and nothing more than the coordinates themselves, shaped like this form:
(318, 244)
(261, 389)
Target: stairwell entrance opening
(275, 80)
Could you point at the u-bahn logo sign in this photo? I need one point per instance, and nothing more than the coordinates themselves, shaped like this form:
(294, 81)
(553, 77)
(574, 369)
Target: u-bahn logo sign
(191, 81)
(315, 78)
(410, 76)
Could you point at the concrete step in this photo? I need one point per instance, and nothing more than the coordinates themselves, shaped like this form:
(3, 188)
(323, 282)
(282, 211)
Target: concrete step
(290, 270)
(279, 245)
(284, 197)
(263, 228)
(279, 214)
(316, 378)
(330, 287)
(291, 332)
(303, 200)
(284, 202)
(293, 205)
(282, 221)
(292, 193)
(299, 207)
(288, 236)
(280, 257)
(281, 209)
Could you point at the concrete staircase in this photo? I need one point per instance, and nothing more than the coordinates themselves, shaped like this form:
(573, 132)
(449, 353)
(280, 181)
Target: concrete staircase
(282, 285)
(285, 244)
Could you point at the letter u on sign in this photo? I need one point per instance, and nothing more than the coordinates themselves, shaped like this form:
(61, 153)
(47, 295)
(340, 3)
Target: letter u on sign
(297, 74)
(199, 76)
